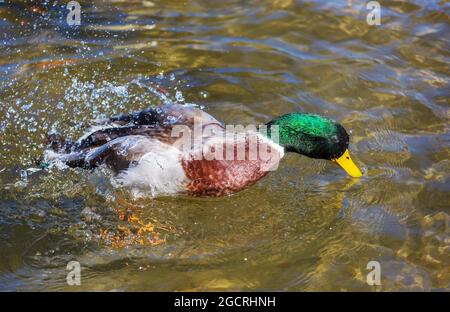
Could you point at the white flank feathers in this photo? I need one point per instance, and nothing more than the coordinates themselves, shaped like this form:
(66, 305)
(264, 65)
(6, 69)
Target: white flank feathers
(157, 172)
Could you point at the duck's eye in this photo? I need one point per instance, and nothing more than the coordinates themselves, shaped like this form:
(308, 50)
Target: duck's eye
(347, 157)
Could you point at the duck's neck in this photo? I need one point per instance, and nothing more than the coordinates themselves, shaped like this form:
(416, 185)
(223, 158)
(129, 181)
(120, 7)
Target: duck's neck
(268, 131)
(283, 131)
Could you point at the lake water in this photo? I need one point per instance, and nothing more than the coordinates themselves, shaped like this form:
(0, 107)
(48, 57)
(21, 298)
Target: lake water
(307, 226)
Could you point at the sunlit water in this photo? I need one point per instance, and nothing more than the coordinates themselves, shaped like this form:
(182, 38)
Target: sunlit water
(307, 226)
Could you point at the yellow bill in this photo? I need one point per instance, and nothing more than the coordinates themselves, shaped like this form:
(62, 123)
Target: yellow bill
(348, 165)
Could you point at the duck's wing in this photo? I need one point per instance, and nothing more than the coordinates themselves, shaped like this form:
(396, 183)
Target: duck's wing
(118, 154)
(103, 136)
(169, 114)
(154, 122)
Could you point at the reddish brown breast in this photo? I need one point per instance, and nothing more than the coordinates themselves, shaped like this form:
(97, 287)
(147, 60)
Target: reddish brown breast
(220, 177)
(211, 177)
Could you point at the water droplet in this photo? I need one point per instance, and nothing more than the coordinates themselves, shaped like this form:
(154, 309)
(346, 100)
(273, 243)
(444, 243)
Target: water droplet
(23, 175)
(179, 96)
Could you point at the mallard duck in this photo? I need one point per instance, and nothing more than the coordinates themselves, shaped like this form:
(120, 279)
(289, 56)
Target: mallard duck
(143, 152)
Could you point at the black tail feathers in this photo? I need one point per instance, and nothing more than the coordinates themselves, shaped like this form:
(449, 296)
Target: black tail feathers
(57, 143)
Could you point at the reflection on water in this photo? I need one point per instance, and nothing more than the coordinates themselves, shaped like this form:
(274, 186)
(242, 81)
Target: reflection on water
(306, 226)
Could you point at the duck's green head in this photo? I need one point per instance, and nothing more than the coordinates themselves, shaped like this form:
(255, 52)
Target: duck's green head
(316, 137)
